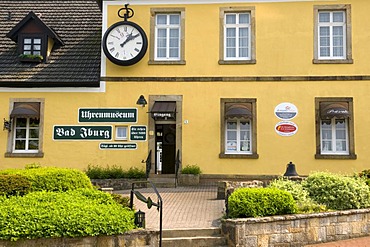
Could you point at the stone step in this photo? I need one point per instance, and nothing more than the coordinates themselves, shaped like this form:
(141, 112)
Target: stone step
(194, 242)
(162, 181)
(202, 237)
(191, 232)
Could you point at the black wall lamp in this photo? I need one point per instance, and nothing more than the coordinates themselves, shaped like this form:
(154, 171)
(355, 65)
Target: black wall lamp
(7, 124)
(141, 101)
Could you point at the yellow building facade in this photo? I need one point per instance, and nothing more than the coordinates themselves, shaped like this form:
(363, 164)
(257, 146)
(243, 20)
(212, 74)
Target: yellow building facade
(235, 87)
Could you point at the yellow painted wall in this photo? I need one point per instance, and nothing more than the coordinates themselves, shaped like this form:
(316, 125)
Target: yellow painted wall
(201, 135)
(284, 39)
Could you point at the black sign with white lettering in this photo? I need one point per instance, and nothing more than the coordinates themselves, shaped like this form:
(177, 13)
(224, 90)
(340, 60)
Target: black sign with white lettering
(73, 132)
(115, 115)
(138, 132)
(117, 146)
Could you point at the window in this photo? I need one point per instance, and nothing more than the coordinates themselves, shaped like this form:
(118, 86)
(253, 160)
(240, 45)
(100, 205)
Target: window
(121, 133)
(238, 36)
(167, 36)
(333, 34)
(238, 128)
(238, 136)
(32, 46)
(25, 136)
(334, 128)
(334, 136)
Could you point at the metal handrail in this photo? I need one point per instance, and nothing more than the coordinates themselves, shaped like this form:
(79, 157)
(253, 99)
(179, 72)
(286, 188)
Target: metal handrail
(177, 167)
(148, 165)
(149, 203)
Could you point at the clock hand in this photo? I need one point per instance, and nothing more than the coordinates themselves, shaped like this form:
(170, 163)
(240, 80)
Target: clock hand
(129, 38)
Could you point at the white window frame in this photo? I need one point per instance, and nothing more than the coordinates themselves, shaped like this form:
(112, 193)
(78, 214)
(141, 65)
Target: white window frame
(237, 26)
(125, 131)
(334, 138)
(251, 58)
(238, 136)
(168, 27)
(27, 139)
(347, 34)
(10, 151)
(331, 25)
(32, 50)
(153, 57)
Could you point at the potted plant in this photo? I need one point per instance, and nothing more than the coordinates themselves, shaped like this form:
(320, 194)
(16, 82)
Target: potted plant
(190, 175)
(30, 58)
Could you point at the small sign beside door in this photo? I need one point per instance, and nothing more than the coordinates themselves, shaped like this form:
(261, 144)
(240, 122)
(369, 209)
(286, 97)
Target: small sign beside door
(138, 133)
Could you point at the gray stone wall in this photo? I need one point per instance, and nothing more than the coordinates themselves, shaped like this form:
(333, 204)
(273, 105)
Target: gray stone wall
(135, 238)
(118, 183)
(297, 230)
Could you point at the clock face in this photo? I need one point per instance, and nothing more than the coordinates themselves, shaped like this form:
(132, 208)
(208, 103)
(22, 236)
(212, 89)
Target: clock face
(125, 43)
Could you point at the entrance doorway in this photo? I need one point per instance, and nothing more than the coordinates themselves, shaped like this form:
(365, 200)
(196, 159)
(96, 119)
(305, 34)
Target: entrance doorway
(165, 146)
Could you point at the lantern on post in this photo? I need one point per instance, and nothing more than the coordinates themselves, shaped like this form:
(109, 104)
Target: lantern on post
(140, 219)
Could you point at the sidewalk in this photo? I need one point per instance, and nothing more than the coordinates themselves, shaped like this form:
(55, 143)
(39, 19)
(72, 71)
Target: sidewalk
(357, 242)
(183, 207)
(197, 207)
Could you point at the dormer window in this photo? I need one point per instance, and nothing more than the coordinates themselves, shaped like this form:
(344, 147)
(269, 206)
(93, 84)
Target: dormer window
(32, 46)
(35, 39)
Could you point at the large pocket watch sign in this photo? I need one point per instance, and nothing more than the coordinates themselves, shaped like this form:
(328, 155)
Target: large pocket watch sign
(125, 42)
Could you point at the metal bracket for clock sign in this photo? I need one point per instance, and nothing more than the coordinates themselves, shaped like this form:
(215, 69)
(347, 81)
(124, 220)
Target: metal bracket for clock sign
(128, 12)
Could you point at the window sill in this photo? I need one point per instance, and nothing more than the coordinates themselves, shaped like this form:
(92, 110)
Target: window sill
(238, 156)
(180, 62)
(332, 61)
(336, 157)
(236, 62)
(30, 60)
(24, 155)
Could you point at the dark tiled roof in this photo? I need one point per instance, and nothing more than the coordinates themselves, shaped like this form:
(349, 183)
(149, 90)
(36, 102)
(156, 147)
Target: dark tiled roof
(77, 63)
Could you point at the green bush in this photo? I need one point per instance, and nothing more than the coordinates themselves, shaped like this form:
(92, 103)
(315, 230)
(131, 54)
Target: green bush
(11, 185)
(52, 178)
(111, 172)
(122, 200)
(366, 175)
(338, 192)
(304, 203)
(255, 202)
(293, 187)
(191, 169)
(77, 213)
(135, 172)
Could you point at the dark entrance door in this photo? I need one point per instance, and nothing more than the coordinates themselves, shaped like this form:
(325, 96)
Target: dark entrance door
(166, 148)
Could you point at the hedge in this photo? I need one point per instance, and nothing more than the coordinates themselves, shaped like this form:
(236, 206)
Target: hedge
(337, 191)
(13, 184)
(112, 172)
(301, 196)
(52, 178)
(83, 212)
(255, 202)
